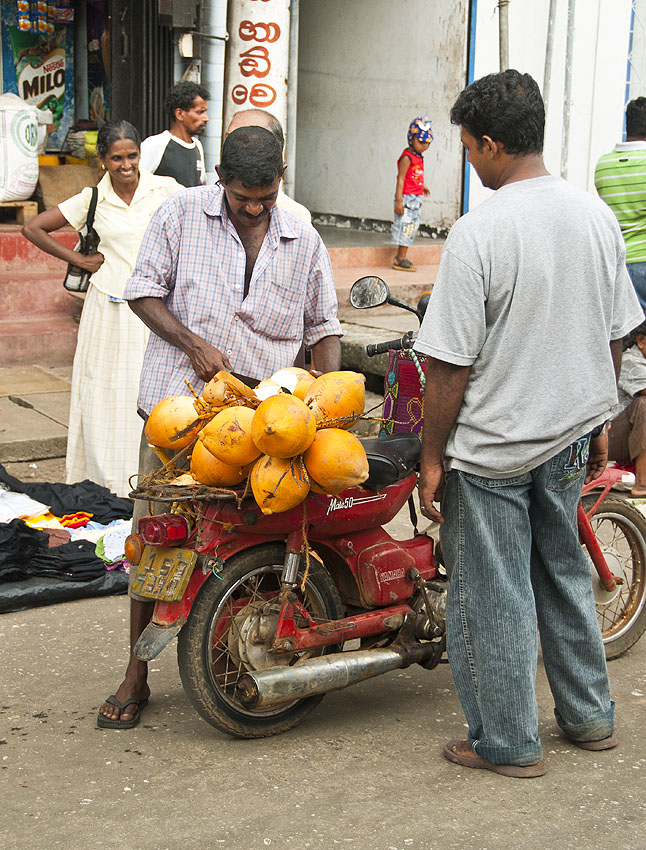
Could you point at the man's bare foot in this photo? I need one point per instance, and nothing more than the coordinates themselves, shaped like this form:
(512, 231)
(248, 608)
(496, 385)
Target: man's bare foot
(639, 491)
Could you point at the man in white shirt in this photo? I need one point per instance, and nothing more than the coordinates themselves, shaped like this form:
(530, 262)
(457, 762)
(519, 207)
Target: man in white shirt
(178, 152)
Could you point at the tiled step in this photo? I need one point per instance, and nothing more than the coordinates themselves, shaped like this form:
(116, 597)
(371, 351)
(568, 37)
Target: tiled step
(46, 340)
(29, 292)
(16, 252)
(406, 286)
(350, 262)
(383, 255)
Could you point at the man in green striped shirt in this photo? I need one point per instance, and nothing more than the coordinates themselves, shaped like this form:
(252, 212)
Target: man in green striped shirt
(620, 178)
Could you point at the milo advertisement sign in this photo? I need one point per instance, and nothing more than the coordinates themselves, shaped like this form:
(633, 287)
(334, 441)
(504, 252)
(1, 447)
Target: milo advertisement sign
(38, 67)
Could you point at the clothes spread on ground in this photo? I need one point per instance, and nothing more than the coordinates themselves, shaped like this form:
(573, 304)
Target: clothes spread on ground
(76, 520)
(25, 552)
(14, 505)
(56, 537)
(64, 499)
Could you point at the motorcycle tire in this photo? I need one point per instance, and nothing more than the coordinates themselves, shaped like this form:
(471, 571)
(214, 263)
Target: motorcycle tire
(211, 645)
(620, 530)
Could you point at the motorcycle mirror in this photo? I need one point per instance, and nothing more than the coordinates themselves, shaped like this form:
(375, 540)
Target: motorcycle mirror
(422, 304)
(369, 292)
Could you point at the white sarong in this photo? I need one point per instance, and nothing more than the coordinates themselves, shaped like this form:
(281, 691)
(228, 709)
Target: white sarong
(104, 427)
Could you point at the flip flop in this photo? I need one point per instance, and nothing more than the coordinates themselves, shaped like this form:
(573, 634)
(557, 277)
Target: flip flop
(604, 744)
(404, 265)
(461, 753)
(104, 722)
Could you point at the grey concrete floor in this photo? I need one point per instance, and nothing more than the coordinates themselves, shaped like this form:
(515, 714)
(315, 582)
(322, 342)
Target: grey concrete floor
(365, 771)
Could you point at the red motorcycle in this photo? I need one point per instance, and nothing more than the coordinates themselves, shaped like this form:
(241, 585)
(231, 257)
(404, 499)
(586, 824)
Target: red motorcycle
(267, 607)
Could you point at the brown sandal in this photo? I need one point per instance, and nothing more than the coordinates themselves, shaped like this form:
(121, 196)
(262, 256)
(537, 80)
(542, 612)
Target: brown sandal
(604, 744)
(404, 265)
(461, 753)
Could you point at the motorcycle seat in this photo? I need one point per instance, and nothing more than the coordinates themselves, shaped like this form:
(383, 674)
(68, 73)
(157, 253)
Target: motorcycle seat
(390, 458)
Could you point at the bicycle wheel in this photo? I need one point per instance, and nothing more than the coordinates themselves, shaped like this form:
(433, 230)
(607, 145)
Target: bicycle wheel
(620, 530)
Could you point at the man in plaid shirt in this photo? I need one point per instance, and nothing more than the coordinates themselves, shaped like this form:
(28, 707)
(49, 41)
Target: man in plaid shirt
(225, 280)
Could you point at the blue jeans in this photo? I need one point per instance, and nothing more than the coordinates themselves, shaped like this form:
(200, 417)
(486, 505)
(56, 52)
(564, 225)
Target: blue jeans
(517, 568)
(637, 272)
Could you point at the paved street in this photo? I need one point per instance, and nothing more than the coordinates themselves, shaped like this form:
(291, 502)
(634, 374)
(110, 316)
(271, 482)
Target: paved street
(364, 772)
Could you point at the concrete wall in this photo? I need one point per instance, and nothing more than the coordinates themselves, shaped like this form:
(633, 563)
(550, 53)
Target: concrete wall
(599, 72)
(366, 69)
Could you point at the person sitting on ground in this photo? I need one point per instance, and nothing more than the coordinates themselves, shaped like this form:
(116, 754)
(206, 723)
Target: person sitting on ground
(627, 436)
(410, 187)
(178, 152)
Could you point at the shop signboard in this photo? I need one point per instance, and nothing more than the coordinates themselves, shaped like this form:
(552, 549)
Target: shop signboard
(38, 65)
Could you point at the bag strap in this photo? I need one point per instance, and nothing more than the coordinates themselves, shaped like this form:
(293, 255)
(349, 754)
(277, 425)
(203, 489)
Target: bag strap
(92, 207)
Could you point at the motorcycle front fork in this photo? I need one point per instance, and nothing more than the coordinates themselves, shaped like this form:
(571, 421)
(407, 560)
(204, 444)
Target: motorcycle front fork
(289, 637)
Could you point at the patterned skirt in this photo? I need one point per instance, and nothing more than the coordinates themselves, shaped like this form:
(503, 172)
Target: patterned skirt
(104, 427)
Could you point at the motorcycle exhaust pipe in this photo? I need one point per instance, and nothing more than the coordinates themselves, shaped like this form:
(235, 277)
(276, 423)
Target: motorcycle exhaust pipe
(277, 685)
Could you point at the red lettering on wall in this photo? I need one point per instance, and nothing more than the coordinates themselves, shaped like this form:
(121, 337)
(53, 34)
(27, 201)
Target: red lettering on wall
(260, 95)
(255, 62)
(248, 31)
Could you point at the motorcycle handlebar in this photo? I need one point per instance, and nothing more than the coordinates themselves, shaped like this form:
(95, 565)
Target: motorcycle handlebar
(391, 345)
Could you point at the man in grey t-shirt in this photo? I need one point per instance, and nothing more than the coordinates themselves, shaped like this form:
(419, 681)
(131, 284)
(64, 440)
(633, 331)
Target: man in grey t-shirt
(523, 329)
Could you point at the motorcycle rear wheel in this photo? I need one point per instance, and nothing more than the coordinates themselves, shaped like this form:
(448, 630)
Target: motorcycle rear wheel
(620, 530)
(207, 649)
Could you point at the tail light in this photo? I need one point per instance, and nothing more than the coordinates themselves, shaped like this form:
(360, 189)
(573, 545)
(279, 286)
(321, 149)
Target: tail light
(164, 530)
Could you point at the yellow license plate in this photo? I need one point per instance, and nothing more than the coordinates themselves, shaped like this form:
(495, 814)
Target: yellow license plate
(163, 573)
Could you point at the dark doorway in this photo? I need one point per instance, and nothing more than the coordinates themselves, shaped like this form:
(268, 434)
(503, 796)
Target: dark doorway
(141, 58)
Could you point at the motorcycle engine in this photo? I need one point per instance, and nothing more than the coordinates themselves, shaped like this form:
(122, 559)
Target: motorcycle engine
(426, 627)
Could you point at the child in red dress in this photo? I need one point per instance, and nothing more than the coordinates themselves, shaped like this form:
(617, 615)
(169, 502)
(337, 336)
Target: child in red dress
(409, 191)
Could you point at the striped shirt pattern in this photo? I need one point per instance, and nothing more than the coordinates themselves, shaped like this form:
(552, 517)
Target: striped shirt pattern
(192, 257)
(620, 178)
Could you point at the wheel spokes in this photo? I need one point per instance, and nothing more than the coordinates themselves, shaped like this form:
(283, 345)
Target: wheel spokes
(617, 542)
(229, 633)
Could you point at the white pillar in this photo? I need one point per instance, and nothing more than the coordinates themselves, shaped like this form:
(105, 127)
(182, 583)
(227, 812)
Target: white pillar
(214, 17)
(257, 58)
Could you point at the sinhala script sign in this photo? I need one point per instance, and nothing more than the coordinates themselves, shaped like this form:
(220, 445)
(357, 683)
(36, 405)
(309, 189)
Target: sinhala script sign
(257, 57)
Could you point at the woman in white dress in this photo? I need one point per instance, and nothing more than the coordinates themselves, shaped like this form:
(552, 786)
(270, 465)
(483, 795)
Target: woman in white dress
(104, 428)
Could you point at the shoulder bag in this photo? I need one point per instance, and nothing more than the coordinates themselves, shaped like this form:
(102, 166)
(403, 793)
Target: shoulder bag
(78, 279)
